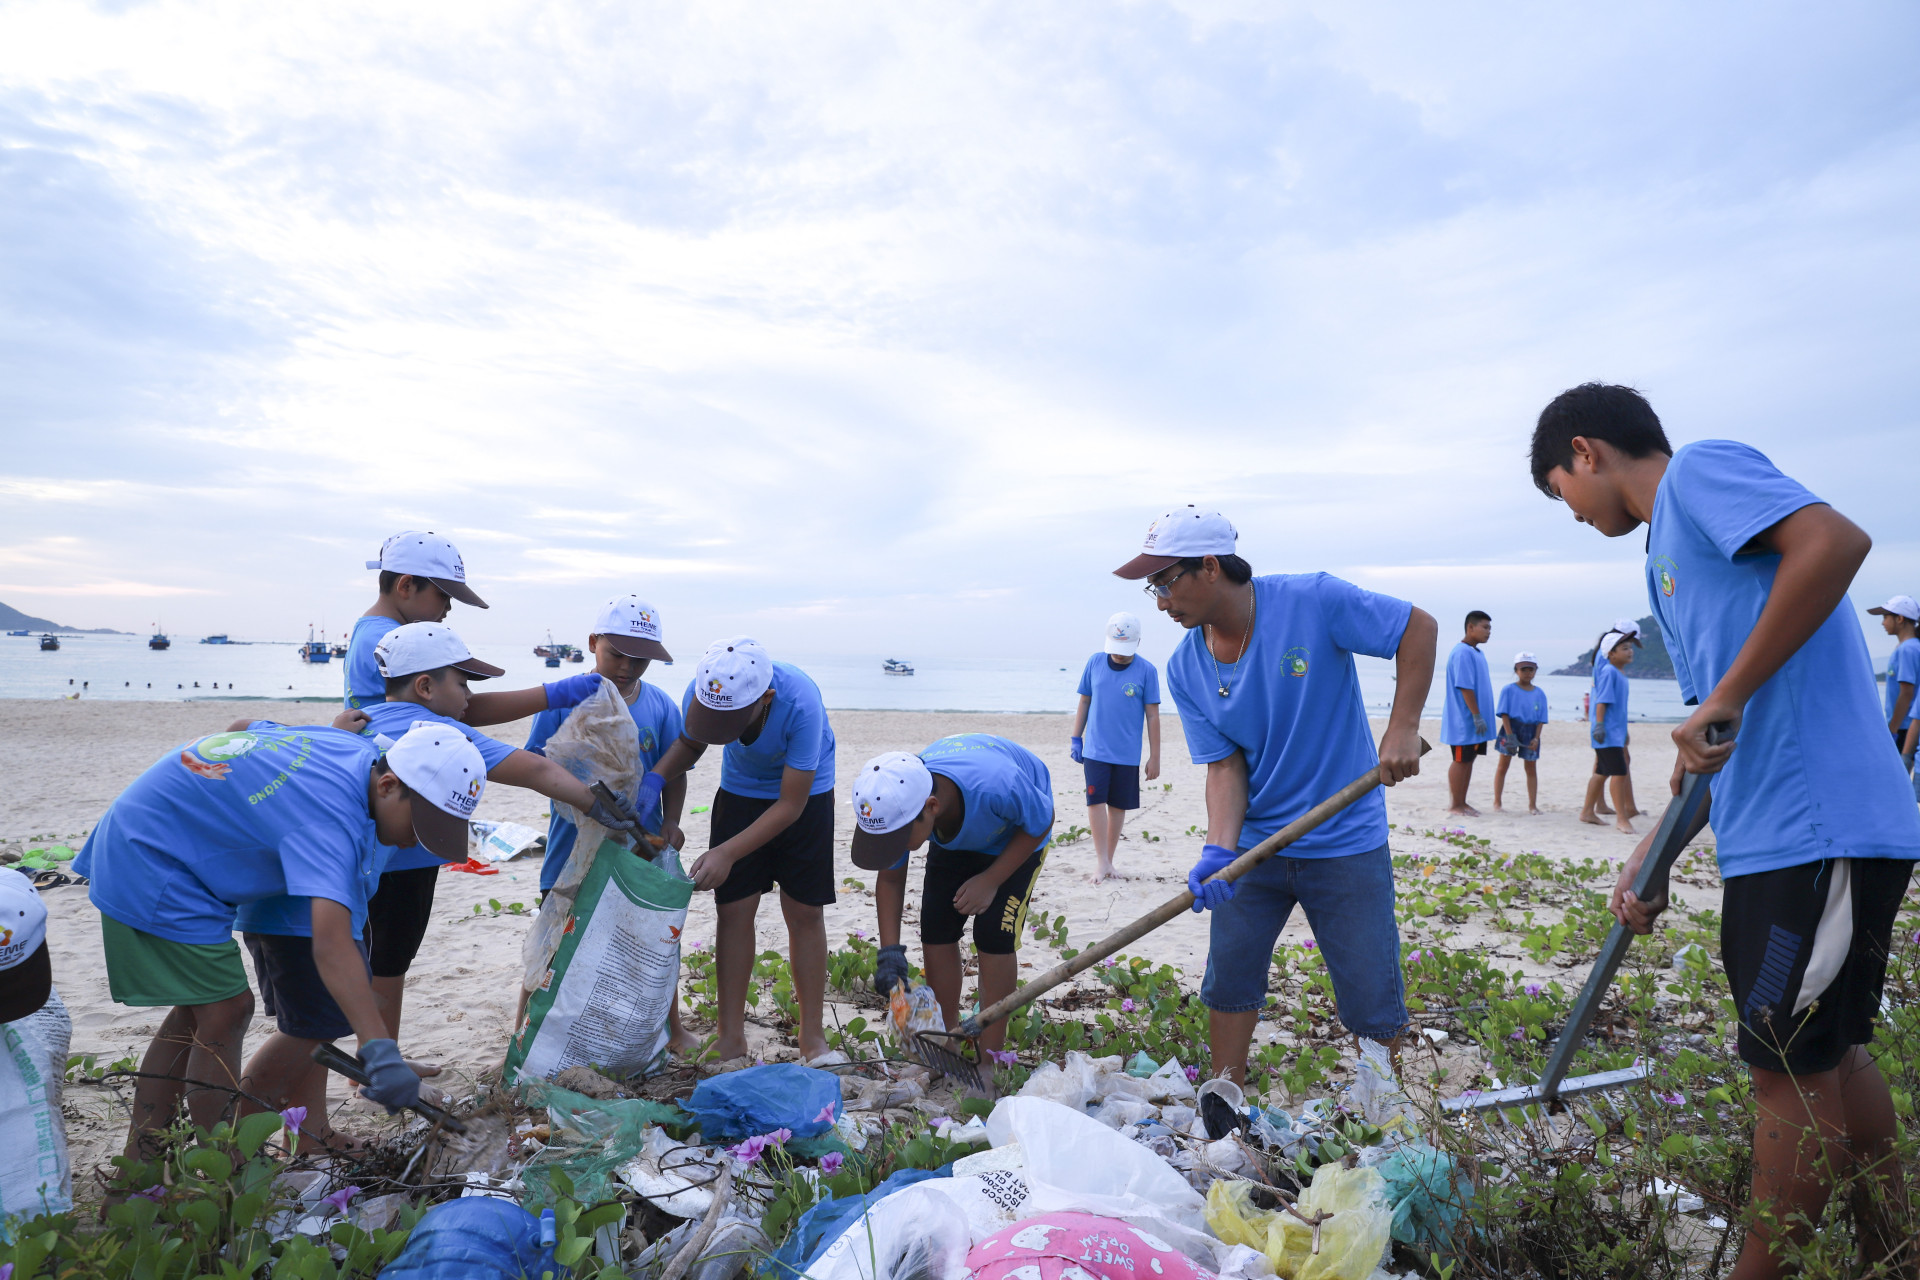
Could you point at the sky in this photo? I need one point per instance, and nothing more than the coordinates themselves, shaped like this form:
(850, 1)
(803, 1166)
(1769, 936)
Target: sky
(881, 328)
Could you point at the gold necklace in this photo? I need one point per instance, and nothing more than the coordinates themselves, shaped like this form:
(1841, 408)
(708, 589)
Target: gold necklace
(1245, 640)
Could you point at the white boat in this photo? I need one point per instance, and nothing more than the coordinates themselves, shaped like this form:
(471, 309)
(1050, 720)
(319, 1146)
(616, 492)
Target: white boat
(895, 667)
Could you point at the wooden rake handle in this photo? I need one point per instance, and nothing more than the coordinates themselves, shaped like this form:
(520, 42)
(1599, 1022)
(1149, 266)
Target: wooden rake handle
(1345, 797)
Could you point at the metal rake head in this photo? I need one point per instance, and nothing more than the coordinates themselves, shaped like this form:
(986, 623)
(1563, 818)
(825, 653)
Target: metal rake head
(925, 1048)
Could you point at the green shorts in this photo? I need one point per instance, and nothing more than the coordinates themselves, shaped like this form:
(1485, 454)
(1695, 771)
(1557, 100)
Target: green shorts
(145, 970)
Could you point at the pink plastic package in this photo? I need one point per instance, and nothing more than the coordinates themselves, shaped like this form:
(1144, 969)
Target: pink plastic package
(1078, 1246)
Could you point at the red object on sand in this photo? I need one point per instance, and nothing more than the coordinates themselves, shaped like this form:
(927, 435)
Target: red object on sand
(474, 865)
(1078, 1246)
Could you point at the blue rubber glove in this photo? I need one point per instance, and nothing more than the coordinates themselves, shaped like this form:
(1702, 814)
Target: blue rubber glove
(1599, 736)
(1077, 749)
(615, 816)
(650, 788)
(572, 691)
(390, 1081)
(1480, 728)
(1208, 894)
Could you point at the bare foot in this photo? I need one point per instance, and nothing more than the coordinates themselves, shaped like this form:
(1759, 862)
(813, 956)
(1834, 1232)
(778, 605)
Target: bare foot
(1498, 807)
(1587, 816)
(683, 1041)
(1101, 872)
(1465, 811)
(1533, 811)
(1603, 809)
(1625, 828)
(726, 1048)
(423, 1069)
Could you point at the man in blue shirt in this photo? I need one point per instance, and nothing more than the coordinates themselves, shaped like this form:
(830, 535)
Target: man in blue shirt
(772, 824)
(1464, 723)
(421, 575)
(1522, 710)
(238, 817)
(1898, 617)
(1119, 694)
(1814, 826)
(987, 806)
(1607, 727)
(1270, 703)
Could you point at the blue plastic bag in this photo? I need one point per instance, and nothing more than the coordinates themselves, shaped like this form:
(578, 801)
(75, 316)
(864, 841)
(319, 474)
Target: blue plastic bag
(779, 1095)
(476, 1238)
(827, 1221)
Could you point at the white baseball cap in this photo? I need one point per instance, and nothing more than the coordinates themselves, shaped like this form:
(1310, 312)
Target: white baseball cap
(1611, 641)
(1627, 627)
(429, 556)
(632, 626)
(428, 646)
(447, 777)
(1525, 657)
(1183, 533)
(26, 974)
(1905, 606)
(890, 791)
(1123, 634)
(727, 686)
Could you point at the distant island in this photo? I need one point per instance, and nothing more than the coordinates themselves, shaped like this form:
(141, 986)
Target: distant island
(1650, 663)
(11, 619)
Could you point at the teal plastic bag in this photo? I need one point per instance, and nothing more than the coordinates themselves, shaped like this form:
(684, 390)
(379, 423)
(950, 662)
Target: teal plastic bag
(1428, 1191)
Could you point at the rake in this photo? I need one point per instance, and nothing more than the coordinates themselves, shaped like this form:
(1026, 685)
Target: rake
(335, 1060)
(1682, 821)
(945, 1050)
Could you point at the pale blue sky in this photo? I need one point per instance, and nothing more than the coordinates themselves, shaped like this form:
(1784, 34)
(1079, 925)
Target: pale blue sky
(883, 328)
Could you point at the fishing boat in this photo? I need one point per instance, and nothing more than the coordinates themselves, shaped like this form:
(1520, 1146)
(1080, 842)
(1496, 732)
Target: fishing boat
(550, 651)
(49, 643)
(315, 650)
(339, 651)
(159, 640)
(19, 633)
(575, 655)
(895, 667)
(219, 639)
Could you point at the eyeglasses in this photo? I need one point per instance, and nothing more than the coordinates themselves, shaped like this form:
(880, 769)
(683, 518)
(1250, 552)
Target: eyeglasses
(1161, 590)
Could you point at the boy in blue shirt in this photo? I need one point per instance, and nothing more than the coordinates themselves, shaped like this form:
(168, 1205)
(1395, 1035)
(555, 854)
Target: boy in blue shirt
(1607, 726)
(1463, 717)
(1270, 702)
(421, 575)
(1815, 829)
(1523, 716)
(1119, 692)
(772, 824)
(1897, 618)
(238, 817)
(987, 806)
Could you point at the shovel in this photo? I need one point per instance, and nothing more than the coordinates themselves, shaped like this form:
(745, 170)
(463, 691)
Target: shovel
(1679, 824)
(334, 1060)
(926, 1047)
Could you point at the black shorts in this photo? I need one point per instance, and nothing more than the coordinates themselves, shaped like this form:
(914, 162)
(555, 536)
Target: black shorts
(1114, 784)
(291, 990)
(996, 931)
(1467, 751)
(799, 859)
(1610, 762)
(1805, 950)
(397, 918)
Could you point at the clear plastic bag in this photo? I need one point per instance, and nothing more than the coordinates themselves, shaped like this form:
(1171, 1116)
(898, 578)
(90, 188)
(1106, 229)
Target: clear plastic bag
(915, 1234)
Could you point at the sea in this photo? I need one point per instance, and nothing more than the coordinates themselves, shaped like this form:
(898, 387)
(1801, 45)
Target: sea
(123, 668)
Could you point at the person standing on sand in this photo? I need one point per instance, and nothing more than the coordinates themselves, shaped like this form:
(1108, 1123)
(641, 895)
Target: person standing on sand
(1814, 827)
(1523, 718)
(1608, 730)
(421, 575)
(1119, 692)
(1463, 718)
(1270, 702)
(1897, 618)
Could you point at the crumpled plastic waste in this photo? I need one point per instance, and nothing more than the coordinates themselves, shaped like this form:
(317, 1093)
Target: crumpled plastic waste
(776, 1095)
(1376, 1095)
(910, 1013)
(1428, 1190)
(736, 1241)
(1119, 1111)
(476, 1238)
(675, 1178)
(590, 1139)
(1082, 1080)
(821, 1225)
(1141, 1065)
(877, 1095)
(915, 1234)
(1069, 1246)
(1350, 1204)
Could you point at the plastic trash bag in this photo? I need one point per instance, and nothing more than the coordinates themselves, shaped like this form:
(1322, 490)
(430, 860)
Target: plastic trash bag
(1377, 1095)
(909, 1013)
(1170, 1083)
(476, 1238)
(1072, 1085)
(35, 1176)
(821, 1225)
(1428, 1191)
(590, 1140)
(915, 1234)
(1075, 1246)
(778, 1095)
(1352, 1239)
(675, 1178)
(1141, 1065)
(735, 1243)
(990, 1200)
(1119, 1111)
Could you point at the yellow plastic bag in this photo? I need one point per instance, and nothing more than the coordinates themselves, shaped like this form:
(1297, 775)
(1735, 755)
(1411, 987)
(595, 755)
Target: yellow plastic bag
(1352, 1237)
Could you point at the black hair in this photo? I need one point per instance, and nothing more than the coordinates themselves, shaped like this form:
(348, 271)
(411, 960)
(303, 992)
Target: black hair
(400, 684)
(382, 766)
(389, 579)
(1599, 657)
(1478, 615)
(1618, 415)
(1236, 569)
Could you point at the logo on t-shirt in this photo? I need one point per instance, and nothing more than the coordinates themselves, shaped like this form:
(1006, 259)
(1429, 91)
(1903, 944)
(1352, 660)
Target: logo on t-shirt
(1294, 661)
(1130, 690)
(647, 742)
(1663, 568)
(212, 757)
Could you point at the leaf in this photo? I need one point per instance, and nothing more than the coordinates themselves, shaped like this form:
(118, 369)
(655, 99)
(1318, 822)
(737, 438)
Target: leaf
(255, 1130)
(595, 1219)
(210, 1164)
(571, 1251)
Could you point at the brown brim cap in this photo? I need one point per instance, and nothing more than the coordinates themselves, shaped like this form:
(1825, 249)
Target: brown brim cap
(875, 851)
(1144, 566)
(637, 647)
(458, 590)
(718, 728)
(440, 833)
(478, 669)
(25, 987)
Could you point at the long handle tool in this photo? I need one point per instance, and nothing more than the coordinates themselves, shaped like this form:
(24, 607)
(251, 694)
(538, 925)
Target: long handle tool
(1682, 822)
(334, 1060)
(641, 838)
(926, 1047)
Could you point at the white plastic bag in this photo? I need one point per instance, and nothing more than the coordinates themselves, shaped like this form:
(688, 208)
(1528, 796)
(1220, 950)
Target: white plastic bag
(917, 1233)
(34, 1174)
(676, 1178)
(1073, 1085)
(991, 1200)
(1120, 1110)
(1170, 1083)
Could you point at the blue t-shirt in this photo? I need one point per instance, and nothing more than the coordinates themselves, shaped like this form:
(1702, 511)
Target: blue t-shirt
(1903, 666)
(656, 721)
(1814, 775)
(365, 684)
(236, 818)
(1466, 669)
(1294, 707)
(1118, 710)
(1610, 688)
(796, 735)
(1523, 706)
(1004, 788)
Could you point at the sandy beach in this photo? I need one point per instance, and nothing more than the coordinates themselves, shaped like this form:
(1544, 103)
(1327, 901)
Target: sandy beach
(67, 760)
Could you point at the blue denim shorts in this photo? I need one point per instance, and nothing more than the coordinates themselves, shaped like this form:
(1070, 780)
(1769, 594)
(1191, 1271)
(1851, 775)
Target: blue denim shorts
(1349, 906)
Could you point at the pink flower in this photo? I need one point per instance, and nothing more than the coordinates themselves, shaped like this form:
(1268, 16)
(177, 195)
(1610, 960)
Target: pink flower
(860, 934)
(1005, 1057)
(825, 1116)
(1310, 944)
(750, 1151)
(338, 1200)
(830, 1163)
(155, 1193)
(1416, 957)
(294, 1117)
(778, 1137)
(6, 1271)
(1193, 1075)
(1675, 1099)
(1127, 1005)
(1520, 1034)
(1533, 988)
